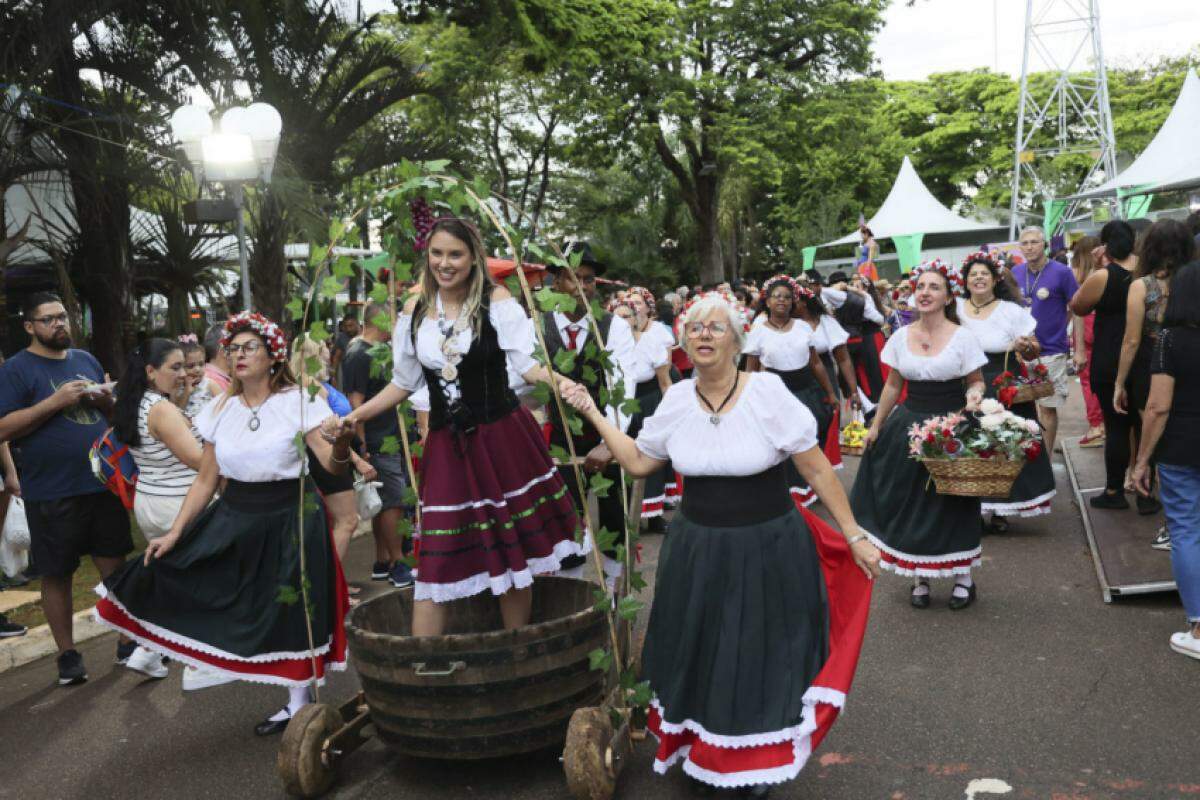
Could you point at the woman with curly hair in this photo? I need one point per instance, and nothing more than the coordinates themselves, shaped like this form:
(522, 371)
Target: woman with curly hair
(1005, 329)
(223, 589)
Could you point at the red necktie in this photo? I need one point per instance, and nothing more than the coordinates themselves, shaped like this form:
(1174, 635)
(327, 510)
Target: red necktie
(572, 336)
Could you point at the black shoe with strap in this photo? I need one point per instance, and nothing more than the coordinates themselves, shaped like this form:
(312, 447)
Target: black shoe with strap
(958, 602)
(270, 727)
(920, 600)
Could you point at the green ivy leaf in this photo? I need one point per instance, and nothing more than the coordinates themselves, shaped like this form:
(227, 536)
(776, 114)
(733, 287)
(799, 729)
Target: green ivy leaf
(558, 453)
(331, 286)
(600, 484)
(636, 581)
(317, 332)
(605, 539)
(316, 255)
(287, 595)
(628, 607)
(588, 374)
(390, 446)
(641, 694)
(575, 425)
(564, 361)
(378, 293)
(295, 308)
(549, 300)
(344, 267)
(599, 659)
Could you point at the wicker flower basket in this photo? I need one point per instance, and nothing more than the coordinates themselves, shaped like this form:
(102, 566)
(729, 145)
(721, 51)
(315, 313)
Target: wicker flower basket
(850, 450)
(1028, 392)
(974, 477)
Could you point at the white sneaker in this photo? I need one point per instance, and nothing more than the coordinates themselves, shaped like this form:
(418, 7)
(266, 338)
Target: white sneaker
(1162, 540)
(1185, 644)
(146, 662)
(195, 678)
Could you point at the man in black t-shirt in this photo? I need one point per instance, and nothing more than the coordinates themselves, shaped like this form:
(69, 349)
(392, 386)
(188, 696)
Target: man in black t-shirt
(347, 331)
(362, 380)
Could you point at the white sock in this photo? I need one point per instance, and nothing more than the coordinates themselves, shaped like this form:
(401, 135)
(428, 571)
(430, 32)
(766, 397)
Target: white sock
(298, 697)
(920, 589)
(962, 586)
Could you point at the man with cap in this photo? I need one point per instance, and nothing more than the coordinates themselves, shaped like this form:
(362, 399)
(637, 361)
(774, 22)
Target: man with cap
(857, 313)
(573, 331)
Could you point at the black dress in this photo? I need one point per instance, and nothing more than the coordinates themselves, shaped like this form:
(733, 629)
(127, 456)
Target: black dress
(918, 531)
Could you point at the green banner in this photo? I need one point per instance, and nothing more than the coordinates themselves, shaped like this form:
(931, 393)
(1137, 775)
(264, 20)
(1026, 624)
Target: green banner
(908, 250)
(1134, 204)
(810, 257)
(1053, 215)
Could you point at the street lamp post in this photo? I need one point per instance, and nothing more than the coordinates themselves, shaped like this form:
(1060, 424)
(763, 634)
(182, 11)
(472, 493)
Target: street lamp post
(242, 152)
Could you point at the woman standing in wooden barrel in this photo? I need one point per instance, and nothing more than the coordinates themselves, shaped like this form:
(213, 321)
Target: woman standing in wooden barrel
(751, 647)
(494, 511)
(922, 534)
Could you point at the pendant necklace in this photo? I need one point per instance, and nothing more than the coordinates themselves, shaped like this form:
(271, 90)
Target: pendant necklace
(449, 346)
(255, 422)
(979, 307)
(715, 413)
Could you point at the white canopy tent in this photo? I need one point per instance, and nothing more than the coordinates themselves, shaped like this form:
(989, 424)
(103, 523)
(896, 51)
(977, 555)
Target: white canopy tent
(911, 208)
(1172, 159)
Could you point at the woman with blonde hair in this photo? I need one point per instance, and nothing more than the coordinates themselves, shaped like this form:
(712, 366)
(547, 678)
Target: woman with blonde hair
(494, 510)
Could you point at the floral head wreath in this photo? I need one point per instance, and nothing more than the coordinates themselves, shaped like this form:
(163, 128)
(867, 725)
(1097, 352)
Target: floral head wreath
(978, 257)
(616, 301)
(188, 338)
(268, 330)
(644, 293)
(953, 278)
(743, 316)
(798, 292)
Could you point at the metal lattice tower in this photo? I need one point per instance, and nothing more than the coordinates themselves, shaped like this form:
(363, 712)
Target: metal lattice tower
(1062, 37)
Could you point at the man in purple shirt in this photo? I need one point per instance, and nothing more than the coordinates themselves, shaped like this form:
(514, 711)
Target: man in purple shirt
(1047, 287)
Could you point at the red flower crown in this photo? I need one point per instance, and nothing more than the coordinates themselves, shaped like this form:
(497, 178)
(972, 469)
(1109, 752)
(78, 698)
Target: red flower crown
(727, 297)
(798, 291)
(271, 333)
(953, 278)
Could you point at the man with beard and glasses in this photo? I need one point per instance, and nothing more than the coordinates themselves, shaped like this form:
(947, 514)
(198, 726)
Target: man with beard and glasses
(53, 405)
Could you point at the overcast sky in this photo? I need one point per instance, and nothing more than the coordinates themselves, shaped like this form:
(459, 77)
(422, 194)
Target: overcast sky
(943, 35)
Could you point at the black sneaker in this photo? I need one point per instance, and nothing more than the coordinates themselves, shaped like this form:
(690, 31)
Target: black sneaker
(70, 668)
(1148, 505)
(125, 650)
(401, 575)
(1113, 502)
(380, 571)
(1162, 541)
(10, 629)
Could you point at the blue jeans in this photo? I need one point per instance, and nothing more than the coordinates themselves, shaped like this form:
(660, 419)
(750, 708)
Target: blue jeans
(1179, 490)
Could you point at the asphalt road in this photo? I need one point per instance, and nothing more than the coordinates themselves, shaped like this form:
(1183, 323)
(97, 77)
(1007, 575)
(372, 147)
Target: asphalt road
(1039, 687)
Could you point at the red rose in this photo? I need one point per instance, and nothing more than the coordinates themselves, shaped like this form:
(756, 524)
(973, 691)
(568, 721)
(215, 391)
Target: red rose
(929, 439)
(998, 381)
(1033, 450)
(1007, 394)
(952, 446)
(986, 453)
(1024, 371)
(946, 434)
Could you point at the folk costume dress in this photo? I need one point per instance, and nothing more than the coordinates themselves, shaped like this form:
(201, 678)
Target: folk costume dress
(654, 347)
(494, 510)
(786, 354)
(918, 531)
(1034, 488)
(759, 610)
(215, 601)
(860, 318)
(827, 337)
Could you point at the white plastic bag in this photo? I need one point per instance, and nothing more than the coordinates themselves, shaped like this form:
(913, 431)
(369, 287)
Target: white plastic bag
(366, 495)
(14, 539)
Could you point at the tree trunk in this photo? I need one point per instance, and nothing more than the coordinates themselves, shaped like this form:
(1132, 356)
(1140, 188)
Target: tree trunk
(268, 267)
(178, 311)
(708, 230)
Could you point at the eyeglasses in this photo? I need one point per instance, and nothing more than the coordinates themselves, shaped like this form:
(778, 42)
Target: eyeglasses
(249, 348)
(715, 329)
(50, 319)
(780, 296)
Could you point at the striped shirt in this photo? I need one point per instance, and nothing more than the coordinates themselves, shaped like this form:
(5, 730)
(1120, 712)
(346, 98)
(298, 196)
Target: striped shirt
(160, 473)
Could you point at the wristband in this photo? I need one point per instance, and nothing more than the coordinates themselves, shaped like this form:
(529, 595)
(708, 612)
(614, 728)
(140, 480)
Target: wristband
(856, 539)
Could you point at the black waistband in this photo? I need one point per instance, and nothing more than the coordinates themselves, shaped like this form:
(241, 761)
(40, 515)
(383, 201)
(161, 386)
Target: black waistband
(996, 361)
(796, 379)
(257, 497)
(936, 396)
(730, 501)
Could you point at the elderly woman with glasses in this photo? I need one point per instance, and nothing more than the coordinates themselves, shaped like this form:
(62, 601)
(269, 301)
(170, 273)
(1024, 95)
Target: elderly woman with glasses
(751, 631)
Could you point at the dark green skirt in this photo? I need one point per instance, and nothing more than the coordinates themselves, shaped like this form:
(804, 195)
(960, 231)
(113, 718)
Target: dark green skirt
(228, 596)
(918, 531)
(739, 626)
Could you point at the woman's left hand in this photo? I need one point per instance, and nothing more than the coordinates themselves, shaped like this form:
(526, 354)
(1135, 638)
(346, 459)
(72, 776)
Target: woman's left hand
(974, 398)
(866, 556)
(1120, 400)
(364, 467)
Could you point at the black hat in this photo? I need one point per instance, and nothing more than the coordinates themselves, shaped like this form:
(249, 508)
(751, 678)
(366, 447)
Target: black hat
(836, 277)
(588, 257)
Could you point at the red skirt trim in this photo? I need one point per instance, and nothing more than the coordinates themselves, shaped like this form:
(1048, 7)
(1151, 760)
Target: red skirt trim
(777, 756)
(833, 440)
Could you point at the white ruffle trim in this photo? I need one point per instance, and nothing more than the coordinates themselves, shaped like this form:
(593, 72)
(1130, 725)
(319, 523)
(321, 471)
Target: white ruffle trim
(501, 503)
(194, 644)
(613, 570)
(499, 584)
(806, 497)
(175, 655)
(800, 736)
(927, 572)
(1024, 508)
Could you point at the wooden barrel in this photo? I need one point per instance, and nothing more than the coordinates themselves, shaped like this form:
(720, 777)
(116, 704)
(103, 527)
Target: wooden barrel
(479, 691)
